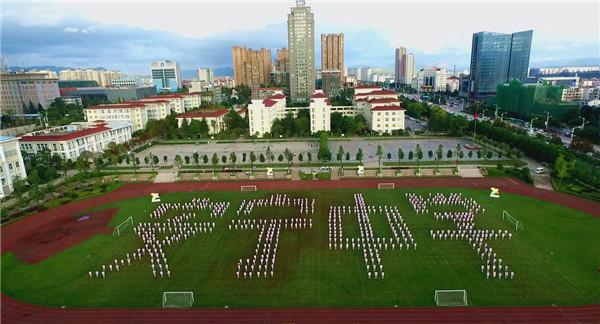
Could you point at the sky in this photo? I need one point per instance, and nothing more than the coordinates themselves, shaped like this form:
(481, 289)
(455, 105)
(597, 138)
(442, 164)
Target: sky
(128, 35)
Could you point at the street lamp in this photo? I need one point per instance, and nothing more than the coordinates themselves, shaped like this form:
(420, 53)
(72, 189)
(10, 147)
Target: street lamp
(502, 115)
(578, 127)
(547, 119)
(531, 123)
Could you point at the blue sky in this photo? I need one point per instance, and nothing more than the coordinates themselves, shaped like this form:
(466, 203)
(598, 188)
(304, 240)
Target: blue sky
(128, 35)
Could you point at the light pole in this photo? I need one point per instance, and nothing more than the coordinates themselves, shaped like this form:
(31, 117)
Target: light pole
(531, 124)
(502, 115)
(547, 119)
(578, 127)
(496, 112)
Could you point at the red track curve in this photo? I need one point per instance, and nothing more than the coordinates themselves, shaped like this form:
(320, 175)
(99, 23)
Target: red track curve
(17, 312)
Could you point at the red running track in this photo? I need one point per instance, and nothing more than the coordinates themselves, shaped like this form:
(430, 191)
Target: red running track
(17, 312)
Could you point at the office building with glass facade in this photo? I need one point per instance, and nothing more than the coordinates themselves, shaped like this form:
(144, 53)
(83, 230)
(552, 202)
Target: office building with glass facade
(496, 59)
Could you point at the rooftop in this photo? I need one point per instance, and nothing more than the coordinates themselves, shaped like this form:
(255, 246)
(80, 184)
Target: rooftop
(386, 108)
(204, 114)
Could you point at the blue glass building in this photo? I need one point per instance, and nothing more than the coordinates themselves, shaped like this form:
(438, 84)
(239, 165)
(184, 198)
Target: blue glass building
(166, 76)
(496, 59)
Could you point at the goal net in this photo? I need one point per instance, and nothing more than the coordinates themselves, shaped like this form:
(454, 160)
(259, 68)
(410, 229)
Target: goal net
(177, 299)
(123, 226)
(247, 188)
(512, 220)
(385, 185)
(451, 298)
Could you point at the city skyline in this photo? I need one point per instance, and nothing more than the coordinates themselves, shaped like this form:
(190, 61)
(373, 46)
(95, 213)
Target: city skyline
(89, 34)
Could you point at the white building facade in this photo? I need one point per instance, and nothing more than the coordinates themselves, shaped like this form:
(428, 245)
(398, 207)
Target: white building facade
(263, 112)
(206, 75)
(215, 119)
(20, 90)
(431, 79)
(71, 140)
(103, 77)
(320, 113)
(12, 167)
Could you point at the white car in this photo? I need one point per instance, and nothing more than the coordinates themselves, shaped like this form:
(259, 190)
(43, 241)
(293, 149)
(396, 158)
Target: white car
(539, 170)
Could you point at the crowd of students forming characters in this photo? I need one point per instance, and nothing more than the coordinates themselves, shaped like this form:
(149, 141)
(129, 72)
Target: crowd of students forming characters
(277, 200)
(465, 223)
(367, 242)
(176, 229)
(262, 263)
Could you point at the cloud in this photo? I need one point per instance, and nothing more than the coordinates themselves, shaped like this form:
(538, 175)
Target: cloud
(128, 36)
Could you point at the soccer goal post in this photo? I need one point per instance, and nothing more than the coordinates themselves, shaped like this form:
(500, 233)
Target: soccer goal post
(512, 220)
(385, 185)
(247, 188)
(177, 299)
(125, 224)
(451, 298)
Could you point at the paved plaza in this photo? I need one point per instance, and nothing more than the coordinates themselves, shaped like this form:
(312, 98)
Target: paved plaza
(369, 147)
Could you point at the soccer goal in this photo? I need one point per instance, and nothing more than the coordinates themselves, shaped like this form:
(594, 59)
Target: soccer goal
(124, 225)
(450, 298)
(385, 185)
(177, 299)
(512, 220)
(247, 188)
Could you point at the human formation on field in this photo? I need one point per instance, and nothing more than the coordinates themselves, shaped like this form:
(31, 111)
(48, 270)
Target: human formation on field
(493, 266)
(166, 230)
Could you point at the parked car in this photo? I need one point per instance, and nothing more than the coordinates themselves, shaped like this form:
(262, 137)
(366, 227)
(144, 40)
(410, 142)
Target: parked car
(539, 170)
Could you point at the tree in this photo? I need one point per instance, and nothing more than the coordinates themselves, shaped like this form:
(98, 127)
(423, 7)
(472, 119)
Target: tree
(262, 158)
(449, 154)
(440, 151)
(347, 156)
(324, 154)
(458, 153)
(400, 155)
(300, 157)
(178, 161)
(340, 154)
(430, 154)
(205, 159)
(419, 153)
(187, 159)
(289, 156)
(280, 158)
(269, 154)
(410, 155)
(232, 158)
(252, 158)
(562, 167)
(478, 154)
(309, 156)
(215, 159)
(224, 158)
(244, 157)
(165, 158)
(379, 153)
(359, 155)
(154, 161)
(470, 154)
(196, 157)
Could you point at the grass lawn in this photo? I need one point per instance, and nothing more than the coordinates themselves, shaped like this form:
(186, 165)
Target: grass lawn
(555, 259)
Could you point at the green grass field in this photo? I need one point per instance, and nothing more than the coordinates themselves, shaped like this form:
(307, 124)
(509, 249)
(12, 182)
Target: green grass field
(555, 260)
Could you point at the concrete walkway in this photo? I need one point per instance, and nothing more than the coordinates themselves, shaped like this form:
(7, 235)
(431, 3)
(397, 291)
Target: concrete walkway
(166, 176)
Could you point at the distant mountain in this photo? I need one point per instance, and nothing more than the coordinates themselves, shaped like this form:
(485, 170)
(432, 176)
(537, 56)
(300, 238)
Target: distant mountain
(582, 61)
(54, 68)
